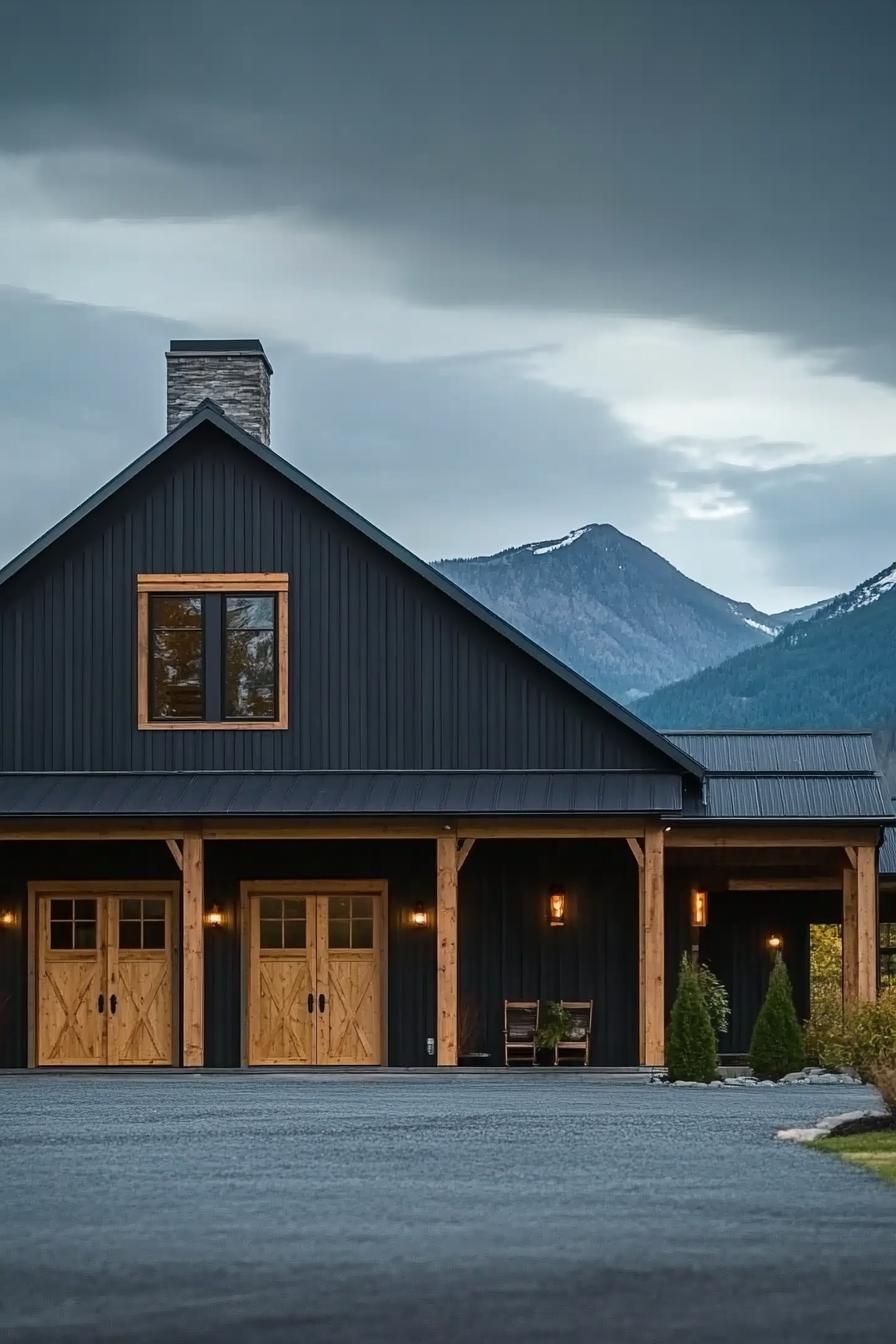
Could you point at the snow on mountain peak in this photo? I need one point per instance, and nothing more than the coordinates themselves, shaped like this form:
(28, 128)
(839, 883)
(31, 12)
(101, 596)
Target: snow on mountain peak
(545, 547)
(868, 592)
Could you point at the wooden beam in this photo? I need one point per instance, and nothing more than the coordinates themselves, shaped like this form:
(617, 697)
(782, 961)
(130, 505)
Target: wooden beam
(832, 883)
(212, 583)
(768, 837)
(353, 829)
(446, 943)
(850, 852)
(129, 831)
(850, 937)
(652, 949)
(176, 853)
(192, 952)
(464, 848)
(637, 850)
(867, 932)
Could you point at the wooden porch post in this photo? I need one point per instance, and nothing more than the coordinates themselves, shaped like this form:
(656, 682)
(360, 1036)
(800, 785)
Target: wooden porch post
(866, 923)
(446, 942)
(850, 936)
(652, 976)
(192, 952)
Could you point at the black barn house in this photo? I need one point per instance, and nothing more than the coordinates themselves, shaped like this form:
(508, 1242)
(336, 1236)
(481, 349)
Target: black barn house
(275, 792)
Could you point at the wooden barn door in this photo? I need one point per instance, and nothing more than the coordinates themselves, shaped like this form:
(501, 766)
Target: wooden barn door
(105, 976)
(316, 962)
(348, 979)
(281, 979)
(140, 981)
(71, 988)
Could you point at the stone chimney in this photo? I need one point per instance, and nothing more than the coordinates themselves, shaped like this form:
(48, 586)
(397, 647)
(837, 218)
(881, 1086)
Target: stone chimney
(236, 375)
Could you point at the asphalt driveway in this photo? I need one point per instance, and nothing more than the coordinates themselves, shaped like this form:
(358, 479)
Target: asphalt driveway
(405, 1209)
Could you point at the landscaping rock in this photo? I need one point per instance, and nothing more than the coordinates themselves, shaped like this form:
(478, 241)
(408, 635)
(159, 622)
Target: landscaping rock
(850, 1122)
(801, 1135)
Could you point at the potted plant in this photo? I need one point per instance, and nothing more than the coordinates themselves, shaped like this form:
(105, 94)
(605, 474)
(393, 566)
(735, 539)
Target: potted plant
(555, 1025)
(470, 1035)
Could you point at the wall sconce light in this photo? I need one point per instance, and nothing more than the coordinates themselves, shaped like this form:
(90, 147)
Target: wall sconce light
(774, 942)
(7, 918)
(418, 916)
(699, 908)
(214, 918)
(557, 907)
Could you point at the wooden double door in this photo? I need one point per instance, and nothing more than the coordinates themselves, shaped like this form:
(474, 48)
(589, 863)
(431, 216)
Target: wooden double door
(316, 972)
(105, 973)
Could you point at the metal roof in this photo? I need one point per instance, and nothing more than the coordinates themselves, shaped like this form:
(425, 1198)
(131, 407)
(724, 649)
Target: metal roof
(208, 413)
(796, 797)
(336, 793)
(766, 752)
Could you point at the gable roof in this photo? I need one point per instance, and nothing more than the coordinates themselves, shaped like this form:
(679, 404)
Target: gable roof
(209, 413)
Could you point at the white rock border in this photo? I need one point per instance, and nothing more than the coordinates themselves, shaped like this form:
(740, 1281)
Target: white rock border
(822, 1128)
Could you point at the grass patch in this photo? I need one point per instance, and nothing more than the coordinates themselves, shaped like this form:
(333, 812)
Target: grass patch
(876, 1152)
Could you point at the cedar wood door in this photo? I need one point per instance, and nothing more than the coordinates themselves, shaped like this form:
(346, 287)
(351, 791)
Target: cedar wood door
(105, 979)
(315, 974)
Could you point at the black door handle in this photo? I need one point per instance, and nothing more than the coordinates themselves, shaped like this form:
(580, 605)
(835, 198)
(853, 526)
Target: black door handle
(321, 1002)
(113, 1004)
(101, 1003)
(311, 1003)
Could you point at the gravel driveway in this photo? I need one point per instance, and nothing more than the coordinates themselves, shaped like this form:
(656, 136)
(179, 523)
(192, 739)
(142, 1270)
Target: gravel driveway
(310, 1209)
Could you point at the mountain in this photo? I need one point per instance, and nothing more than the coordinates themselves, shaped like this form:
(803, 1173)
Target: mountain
(835, 670)
(613, 609)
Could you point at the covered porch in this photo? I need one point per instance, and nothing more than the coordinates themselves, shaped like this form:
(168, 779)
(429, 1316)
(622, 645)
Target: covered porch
(459, 922)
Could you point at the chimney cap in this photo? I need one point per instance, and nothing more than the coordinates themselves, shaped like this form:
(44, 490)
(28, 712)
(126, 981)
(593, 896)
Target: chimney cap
(245, 347)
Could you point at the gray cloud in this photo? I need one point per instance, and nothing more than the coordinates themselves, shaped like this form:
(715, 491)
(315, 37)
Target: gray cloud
(707, 159)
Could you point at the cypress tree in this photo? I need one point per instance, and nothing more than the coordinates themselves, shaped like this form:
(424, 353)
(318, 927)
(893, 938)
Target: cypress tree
(691, 1049)
(777, 1045)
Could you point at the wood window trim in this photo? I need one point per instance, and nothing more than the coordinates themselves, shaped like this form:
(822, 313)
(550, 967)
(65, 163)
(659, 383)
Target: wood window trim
(278, 584)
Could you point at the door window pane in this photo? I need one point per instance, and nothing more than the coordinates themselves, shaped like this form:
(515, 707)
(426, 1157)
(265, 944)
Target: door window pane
(350, 922)
(154, 934)
(141, 923)
(339, 933)
(72, 923)
(249, 658)
(129, 933)
(294, 933)
(282, 922)
(362, 933)
(271, 933)
(176, 655)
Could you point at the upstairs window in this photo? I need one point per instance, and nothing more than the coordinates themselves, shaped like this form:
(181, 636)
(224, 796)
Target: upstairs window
(212, 650)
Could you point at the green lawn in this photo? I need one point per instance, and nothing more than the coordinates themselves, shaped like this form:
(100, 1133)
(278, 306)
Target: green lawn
(875, 1152)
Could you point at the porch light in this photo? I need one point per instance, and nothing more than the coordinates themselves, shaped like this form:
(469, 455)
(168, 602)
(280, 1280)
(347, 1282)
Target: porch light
(557, 907)
(214, 918)
(699, 908)
(774, 942)
(7, 918)
(418, 916)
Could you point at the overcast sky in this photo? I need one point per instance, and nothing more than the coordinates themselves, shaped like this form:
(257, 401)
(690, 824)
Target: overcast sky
(518, 266)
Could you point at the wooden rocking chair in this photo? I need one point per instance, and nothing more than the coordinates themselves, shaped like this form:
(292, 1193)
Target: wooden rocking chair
(520, 1026)
(577, 1049)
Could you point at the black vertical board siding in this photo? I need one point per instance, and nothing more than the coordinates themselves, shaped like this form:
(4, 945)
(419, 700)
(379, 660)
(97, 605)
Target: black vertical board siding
(509, 951)
(13, 976)
(734, 945)
(384, 669)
